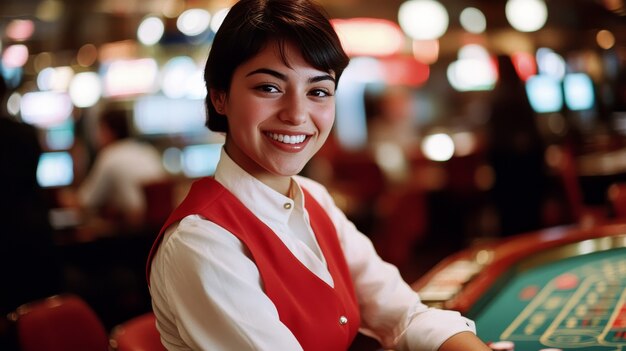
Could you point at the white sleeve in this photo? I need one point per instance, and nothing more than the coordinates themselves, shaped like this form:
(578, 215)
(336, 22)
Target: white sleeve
(97, 184)
(207, 293)
(391, 311)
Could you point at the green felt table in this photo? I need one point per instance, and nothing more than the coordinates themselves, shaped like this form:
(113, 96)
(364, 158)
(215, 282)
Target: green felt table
(576, 303)
(561, 288)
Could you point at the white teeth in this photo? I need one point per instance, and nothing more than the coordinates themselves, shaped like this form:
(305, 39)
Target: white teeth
(287, 139)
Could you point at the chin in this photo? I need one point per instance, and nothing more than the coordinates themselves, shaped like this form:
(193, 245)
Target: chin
(289, 172)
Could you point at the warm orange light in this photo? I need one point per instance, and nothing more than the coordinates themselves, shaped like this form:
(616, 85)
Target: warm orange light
(87, 55)
(369, 36)
(119, 50)
(605, 39)
(426, 51)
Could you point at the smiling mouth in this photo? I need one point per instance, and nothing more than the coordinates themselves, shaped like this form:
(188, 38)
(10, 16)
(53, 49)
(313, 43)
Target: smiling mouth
(287, 139)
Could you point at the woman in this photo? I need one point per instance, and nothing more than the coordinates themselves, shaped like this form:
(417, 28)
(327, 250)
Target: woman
(258, 258)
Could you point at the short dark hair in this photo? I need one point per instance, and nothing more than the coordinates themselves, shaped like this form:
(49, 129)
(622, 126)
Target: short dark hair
(251, 24)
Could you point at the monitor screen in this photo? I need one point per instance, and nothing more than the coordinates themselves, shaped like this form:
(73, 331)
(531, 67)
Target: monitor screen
(578, 89)
(544, 93)
(200, 160)
(160, 115)
(60, 137)
(55, 169)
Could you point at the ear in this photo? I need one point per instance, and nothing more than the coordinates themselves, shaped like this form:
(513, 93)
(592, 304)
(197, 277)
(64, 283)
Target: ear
(218, 99)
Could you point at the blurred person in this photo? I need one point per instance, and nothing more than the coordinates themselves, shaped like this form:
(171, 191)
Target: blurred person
(29, 264)
(257, 257)
(393, 118)
(392, 134)
(113, 186)
(516, 154)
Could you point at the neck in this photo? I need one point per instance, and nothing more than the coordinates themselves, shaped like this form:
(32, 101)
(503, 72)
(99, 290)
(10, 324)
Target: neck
(280, 184)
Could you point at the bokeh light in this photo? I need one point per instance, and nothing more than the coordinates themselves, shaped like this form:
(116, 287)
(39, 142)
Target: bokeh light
(605, 39)
(438, 147)
(423, 19)
(150, 30)
(526, 15)
(85, 89)
(473, 20)
(15, 56)
(193, 22)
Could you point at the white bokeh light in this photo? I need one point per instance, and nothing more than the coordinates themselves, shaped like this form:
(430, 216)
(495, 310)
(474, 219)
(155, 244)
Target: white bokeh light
(438, 147)
(473, 20)
(150, 30)
(550, 63)
(177, 73)
(218, 18)
(423, 19)
(193, 22)
(474, 70)
(55, 78)
(85, 89)
(45, 109)
(15, 56)
(13, 104)
(526, 15)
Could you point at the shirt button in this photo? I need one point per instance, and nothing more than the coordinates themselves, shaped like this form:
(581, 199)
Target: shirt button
(343, 320)
(287, 206)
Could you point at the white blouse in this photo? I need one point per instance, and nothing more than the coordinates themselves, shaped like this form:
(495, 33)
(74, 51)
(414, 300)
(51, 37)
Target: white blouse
(207, 293)
(119, 173)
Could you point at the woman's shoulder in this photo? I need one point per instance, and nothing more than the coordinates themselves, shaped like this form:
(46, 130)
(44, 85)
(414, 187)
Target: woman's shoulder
(195, 231)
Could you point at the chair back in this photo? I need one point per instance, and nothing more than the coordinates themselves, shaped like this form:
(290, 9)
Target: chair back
(160, 201)
(137, 334)
(617, 199)
(59, 323)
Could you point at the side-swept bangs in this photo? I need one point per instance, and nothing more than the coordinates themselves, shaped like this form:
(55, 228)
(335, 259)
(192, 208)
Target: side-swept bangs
(251, 25)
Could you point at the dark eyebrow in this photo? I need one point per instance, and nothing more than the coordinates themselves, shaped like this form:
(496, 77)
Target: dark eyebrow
(281, 76)
(322, 78)
(271, 72)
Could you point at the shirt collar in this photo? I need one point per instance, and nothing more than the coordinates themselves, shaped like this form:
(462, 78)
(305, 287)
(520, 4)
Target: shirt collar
(272, 207)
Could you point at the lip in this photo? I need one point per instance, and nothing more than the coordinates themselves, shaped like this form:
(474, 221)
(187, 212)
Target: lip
(288, 147)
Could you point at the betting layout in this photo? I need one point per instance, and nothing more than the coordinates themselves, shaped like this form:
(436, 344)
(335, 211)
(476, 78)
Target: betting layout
(574, 304)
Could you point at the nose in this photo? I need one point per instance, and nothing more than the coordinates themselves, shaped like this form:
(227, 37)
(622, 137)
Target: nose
(294, 109)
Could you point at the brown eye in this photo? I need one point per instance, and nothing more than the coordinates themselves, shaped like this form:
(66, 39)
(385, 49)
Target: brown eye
(320, 93)
(267, 88)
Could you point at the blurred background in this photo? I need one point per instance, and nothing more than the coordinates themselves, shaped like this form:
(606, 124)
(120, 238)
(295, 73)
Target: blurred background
(458, 121)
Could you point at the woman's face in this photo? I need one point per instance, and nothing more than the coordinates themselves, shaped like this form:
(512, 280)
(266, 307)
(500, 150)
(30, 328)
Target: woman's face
(279, 116)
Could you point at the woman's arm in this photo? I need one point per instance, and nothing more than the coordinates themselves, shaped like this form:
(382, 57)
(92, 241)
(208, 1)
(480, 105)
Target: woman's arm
(207, 294)
(390, 310)
(465, 341)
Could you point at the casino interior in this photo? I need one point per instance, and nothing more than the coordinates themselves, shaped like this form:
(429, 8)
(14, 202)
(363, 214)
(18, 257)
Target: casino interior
(498, 193)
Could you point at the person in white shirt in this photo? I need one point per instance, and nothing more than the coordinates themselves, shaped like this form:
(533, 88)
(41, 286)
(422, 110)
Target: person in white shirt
(257, 257)
(123, 165)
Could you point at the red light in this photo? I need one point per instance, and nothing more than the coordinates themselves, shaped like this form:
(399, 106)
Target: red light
(404, 70)
(525, 65)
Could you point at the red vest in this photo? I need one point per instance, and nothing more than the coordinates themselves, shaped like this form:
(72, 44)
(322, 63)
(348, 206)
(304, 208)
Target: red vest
(319, 316)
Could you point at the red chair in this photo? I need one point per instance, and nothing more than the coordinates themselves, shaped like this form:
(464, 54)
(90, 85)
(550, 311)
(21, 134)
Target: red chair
(59, 323)
(160, 201)
(137, 334)
(617, 199)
